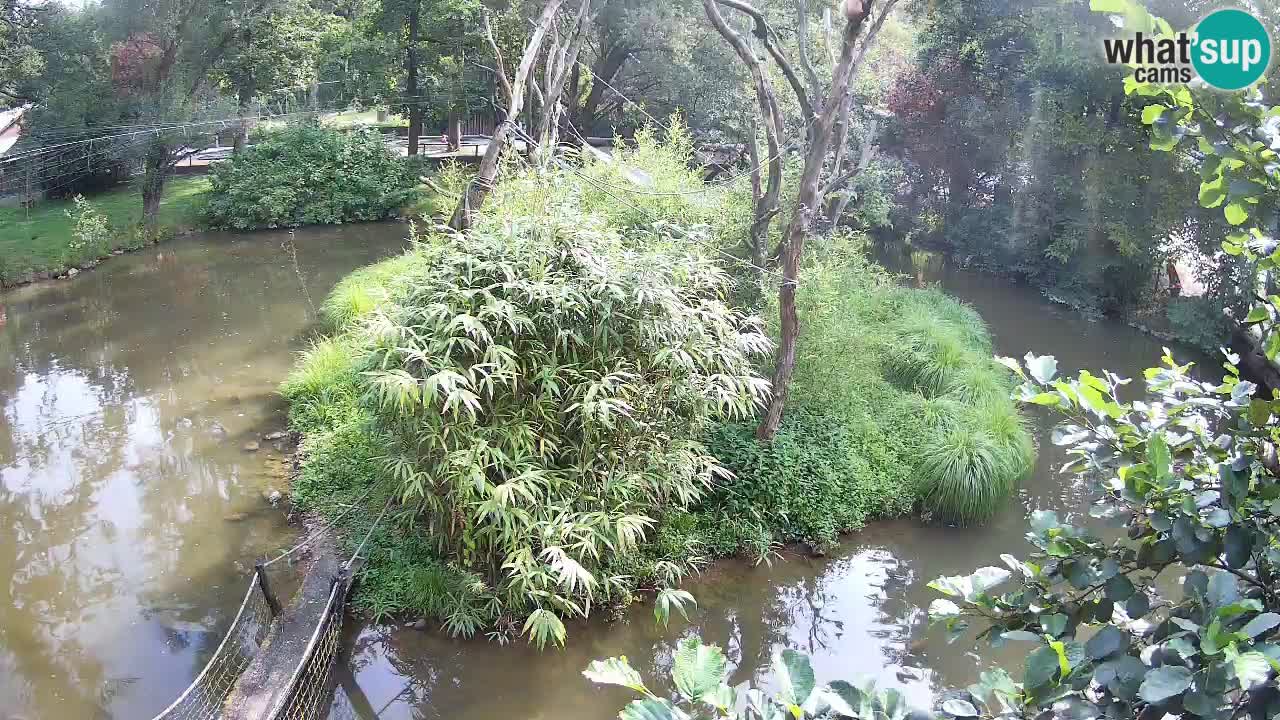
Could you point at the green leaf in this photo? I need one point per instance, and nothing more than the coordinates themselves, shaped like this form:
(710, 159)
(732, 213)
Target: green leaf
(1159, 457)
(1239, 546)
(1108, 641)
(959, 708)
(652, 709)
(1164, 682)
(848, 701)
(943, 608)
(1257, 315)
(1251, 668)
(1260, 624)
(699, 669)
(669, 598)
(1041, 667)
(1054, 624)
(1049, 399)
(794, 676)
(1119, 588)
(1043, 368)
(1223, 590)
(1118, 7)
(1152, 113)
(1236, 213)
(542, 627)
(722, 698)
(1137, 605)
(615, 671)
(1212, 193)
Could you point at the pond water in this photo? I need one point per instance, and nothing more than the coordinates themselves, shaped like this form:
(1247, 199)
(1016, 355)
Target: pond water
(130, 512)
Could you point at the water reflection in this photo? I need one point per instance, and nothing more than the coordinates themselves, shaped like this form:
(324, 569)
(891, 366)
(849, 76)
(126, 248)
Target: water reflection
(859, 613)
(129, 512)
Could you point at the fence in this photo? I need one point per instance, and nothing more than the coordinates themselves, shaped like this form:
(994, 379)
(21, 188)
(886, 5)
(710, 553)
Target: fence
(310, 687)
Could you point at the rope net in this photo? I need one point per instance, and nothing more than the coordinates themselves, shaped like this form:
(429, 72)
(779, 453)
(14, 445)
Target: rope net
(312, 688)
(204, 698)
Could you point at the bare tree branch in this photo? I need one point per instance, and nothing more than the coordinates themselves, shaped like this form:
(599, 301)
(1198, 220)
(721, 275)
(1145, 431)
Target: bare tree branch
(766, 204)
(802, 40)
(770, 40)
(478, 190)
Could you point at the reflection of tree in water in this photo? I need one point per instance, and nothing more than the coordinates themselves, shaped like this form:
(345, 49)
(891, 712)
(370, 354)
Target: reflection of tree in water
(99, 412)
(37, 623)
(808, 606)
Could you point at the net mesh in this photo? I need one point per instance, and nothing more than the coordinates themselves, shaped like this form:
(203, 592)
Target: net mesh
(204, 698)
(312, 691)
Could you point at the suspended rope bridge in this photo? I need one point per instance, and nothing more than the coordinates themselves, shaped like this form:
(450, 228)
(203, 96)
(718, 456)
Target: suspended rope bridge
(276, 662)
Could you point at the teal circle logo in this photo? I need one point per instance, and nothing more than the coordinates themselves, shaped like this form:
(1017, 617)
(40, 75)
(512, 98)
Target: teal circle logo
(1232, 49)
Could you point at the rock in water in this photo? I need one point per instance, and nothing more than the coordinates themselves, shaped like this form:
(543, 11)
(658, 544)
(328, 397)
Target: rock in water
(280, 435)
(275, 497)
(251, 446)
(73, 272)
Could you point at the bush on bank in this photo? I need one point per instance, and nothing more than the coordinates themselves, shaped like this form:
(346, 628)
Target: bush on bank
(895, 403)
(547, 401)
(307, 174)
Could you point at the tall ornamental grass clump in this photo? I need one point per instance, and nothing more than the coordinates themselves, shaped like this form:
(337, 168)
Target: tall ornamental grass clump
(307, 174)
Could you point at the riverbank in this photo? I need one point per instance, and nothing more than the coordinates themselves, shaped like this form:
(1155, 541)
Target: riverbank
(41, 244)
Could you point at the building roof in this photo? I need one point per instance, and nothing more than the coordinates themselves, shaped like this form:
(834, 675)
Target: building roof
(9, 119)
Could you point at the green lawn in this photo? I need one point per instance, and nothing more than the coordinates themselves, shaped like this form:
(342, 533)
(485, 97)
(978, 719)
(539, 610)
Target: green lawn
(41, 242)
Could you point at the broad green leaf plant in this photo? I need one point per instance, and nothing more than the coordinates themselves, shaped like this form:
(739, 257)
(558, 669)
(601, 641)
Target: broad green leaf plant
(700, 673)
(1178, 615)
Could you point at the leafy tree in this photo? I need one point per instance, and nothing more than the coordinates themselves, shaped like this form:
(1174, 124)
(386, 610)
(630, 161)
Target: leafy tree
(20, 58)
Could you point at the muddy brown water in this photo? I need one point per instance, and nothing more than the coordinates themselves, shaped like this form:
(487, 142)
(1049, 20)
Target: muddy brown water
(130, 514)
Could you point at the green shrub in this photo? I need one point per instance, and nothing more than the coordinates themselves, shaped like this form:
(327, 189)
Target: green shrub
(91, 231)
(971, 466)
(883, 374)
(1199, 321)
(308, 175)
(817, 479)
(536, 392)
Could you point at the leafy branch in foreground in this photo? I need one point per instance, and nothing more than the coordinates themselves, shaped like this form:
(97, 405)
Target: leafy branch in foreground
(699, 675)
(1188, 473)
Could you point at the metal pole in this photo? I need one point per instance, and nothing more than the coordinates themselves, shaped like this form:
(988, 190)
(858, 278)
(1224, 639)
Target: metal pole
(272, 602)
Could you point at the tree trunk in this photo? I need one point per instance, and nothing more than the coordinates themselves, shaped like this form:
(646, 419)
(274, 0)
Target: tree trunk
(479, 187)
(453, 130)
(759, 231)
(155, 173)
(808, 205)
(411, 81)
(242, 112)
(605, 70)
